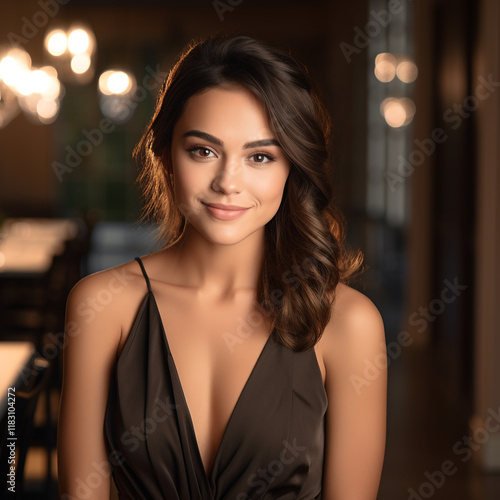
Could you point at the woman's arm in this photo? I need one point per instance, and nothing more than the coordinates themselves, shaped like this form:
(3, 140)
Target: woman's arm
(354, 354)
(92, 333)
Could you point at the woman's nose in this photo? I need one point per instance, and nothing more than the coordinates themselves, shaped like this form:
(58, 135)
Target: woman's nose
(228, 178)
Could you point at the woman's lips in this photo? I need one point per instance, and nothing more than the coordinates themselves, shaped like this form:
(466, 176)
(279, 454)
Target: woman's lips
(225, 212)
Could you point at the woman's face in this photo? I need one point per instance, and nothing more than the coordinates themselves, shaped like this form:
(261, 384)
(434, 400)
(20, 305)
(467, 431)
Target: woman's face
(224, 152)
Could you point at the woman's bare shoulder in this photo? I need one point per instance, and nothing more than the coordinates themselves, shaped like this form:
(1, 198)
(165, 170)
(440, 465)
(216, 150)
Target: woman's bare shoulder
(354, 321)
(110, 282)
(351, 305)
(110, 296)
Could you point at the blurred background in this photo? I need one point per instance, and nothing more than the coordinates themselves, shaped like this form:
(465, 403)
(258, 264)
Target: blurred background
(413, 89)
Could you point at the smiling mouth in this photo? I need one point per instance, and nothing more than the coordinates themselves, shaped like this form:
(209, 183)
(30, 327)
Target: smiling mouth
(225, 212)
(220, 206)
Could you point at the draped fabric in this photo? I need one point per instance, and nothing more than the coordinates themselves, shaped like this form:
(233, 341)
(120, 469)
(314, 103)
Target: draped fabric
(272, 447)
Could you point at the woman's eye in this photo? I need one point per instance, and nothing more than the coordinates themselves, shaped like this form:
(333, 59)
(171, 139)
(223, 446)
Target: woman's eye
(201, 152)
(262, 158)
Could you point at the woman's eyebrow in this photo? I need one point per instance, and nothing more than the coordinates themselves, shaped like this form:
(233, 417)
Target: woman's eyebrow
(204, 135)
(211, 138)
(262, 142)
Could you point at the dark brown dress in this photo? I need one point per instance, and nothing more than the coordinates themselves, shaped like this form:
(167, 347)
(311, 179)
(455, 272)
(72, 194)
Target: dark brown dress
(272, 447)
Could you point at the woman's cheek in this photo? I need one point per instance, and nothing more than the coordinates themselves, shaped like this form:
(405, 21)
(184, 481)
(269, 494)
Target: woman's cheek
(271, 187)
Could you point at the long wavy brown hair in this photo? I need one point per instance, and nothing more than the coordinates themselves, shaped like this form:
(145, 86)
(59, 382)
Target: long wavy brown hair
(305, 254)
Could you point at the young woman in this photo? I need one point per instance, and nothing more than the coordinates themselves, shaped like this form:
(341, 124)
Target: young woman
(227, 365)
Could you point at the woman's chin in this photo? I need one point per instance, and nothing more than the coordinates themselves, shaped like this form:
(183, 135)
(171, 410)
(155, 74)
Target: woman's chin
(227, 236)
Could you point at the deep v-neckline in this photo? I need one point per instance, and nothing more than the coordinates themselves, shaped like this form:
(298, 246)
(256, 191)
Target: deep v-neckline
(209, 476)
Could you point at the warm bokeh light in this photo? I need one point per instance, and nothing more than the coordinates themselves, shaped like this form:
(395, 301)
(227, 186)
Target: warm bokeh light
(114, 82)
(76, 45)
(52, 89)
(15, 67)
(117, 89)
(394, 114)
(80, 63)
(407, 71)
(26, 85)
(47, 110)
(103, 82)
(35, 91)
(21, 56)
(385, 67)
(15, 75)
(56, 42)
(119, 83)
(397, 112)
(78, 41)
(25, 82)
(40, 81)
(12, 72)
(29, 103)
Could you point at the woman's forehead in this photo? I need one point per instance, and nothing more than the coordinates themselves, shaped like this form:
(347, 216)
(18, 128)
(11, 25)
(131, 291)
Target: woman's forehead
(228, 113)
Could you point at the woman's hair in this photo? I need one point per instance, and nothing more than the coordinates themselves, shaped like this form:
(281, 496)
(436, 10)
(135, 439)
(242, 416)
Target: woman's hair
(305, 256)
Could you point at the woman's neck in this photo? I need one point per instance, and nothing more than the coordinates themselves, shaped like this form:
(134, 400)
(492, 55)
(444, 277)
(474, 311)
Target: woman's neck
(216, 270)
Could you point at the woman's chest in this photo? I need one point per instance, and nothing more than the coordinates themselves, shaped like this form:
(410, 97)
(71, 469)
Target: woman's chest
(215, 347)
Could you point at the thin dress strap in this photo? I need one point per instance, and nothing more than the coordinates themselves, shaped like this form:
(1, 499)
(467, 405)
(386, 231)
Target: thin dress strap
(144, 272)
